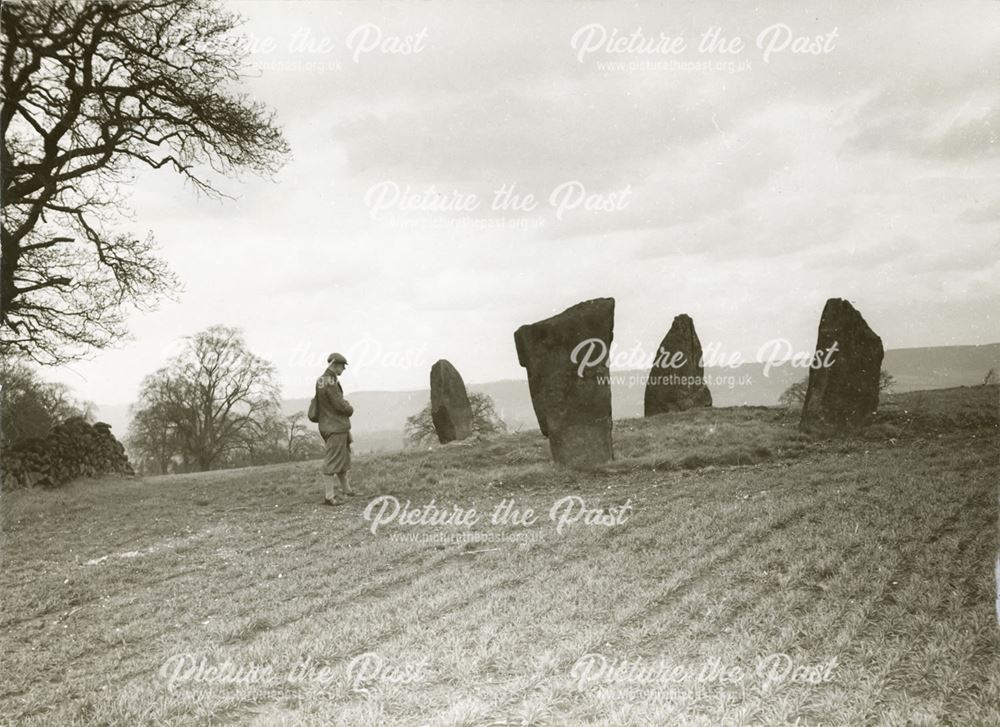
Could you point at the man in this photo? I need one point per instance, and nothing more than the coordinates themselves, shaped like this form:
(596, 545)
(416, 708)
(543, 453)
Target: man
(334, 414)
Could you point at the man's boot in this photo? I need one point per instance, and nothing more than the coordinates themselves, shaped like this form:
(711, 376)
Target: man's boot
(345, 485)
(331, 493)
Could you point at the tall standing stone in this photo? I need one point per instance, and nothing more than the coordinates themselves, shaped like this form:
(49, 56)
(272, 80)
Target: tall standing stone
(450, 408)
(844, 380)
(572, 399)
(677, 379)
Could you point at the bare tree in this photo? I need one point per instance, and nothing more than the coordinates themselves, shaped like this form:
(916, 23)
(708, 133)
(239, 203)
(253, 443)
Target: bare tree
(297, 435)
(214, 398)
(153, 438)
(91, 91)
(485, 419)
(264, 444)
(794, 395)
(886, 382)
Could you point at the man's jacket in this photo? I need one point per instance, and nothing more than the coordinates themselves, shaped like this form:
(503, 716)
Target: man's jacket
(334, 411)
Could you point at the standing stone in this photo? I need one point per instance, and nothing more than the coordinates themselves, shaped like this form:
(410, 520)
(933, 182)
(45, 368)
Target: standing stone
(572, 399)
(844, 379)
(450, 408)
(677, 379)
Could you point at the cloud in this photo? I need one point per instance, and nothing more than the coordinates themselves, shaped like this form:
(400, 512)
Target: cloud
(982, 213)
(868, 172)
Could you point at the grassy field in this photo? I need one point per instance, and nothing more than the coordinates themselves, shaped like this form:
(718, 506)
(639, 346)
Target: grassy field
(727, 571)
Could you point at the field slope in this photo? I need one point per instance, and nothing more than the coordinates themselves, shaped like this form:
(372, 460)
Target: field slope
(739, 573)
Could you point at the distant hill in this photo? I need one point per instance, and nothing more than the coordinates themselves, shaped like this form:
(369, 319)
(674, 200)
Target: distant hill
(374, 411)
(941, 367)
(381, 415)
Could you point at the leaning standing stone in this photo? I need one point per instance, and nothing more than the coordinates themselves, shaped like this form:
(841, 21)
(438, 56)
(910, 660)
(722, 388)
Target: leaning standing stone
(677, 379)
(572, 401)
(843, 383)
(450, 408)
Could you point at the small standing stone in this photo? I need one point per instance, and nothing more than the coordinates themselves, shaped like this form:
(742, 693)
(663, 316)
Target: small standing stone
(450, 408)
(844, 380)
(677, 379)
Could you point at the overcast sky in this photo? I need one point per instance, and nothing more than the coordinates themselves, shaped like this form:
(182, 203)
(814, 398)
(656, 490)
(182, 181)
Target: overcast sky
(744, 194)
